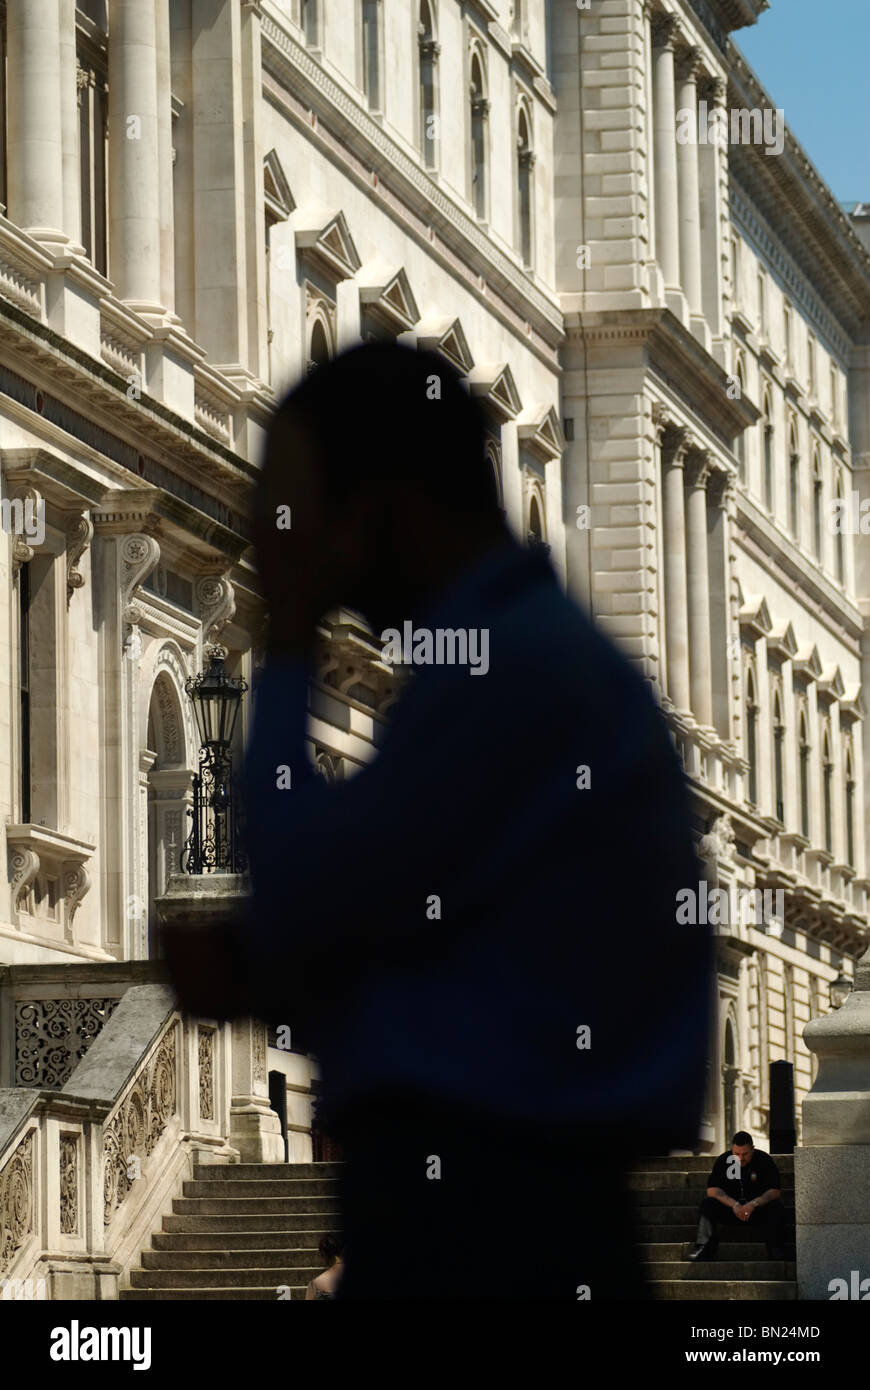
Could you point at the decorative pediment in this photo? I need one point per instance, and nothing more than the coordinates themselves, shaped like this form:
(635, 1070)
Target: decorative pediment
(276, 190)
(782, 643)
(539, 430)
(755, 615)
(831, 686)
(446, 336)
(494, 383)
(387, 289)
(852, 705)
(325, 236)
(807, 665)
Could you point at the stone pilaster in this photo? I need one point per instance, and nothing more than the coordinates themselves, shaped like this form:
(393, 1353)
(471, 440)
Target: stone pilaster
(674, 447)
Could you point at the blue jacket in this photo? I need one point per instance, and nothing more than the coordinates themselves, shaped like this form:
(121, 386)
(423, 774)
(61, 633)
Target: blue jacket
(453, 917)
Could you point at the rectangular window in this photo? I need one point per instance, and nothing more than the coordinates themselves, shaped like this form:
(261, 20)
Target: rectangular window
(786, 313)
(370, 53)
(93, 161)
(811, 364)
(762, 304)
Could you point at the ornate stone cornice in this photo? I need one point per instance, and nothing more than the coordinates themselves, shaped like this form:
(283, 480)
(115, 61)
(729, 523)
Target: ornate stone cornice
(800, 208)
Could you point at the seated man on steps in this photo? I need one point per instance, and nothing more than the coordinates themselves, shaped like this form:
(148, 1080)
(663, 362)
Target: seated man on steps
(743, 1186)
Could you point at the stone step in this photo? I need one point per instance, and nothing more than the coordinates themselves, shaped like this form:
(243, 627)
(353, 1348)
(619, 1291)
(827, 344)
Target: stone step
(728, 1270)
(253, 1225)
(723, 1291)
(257, 1240)
(234, 1172)
(679, 1213)
(259, 1295)
(685, 1232)
(699, 1163)
(680, 1250)
(679, 1196)
(268, 1276)
(262, 1187)
(284, 1257)
(666, 1182)
(253, 1206)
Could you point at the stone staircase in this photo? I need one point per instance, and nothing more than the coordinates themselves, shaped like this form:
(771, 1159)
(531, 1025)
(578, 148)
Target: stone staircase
(667, 1193)
(241, 1231)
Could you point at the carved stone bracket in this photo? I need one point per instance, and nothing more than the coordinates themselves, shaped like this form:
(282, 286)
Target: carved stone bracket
(139, 556)
(23, 868)
(22, 553)
(79, 534)
(76, 882)
(217, 605)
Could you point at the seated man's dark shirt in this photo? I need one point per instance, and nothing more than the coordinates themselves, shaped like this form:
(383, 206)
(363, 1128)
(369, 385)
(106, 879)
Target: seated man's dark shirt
(759, 1175)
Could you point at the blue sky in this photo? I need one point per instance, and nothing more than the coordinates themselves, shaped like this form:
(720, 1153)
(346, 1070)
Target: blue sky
(812, 58)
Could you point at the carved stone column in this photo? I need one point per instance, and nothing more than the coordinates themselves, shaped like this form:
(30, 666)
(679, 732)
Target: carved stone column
(134, 161)
(674, 445)
(35, 134)
(665, 147)
(688, 180)
(698, 580)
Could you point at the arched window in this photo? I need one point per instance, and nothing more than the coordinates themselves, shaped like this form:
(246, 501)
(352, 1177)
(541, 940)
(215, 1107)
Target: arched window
(786, 323)
(371, 52)
(752, 738)
(525, 185)
(811, 364)
(427, 51)
(850, 808)
(536, 525)
(794, 483)
(839, 545)
(740, 441)
(492, 454)
(778, 741)
(817, 505)
(319, 352)
(309, 19)
(827, 787)
(479, 109)
(767, 457)
(804, 773)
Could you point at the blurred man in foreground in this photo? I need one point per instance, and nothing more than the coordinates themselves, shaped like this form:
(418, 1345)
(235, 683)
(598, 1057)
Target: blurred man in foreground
(476, 933)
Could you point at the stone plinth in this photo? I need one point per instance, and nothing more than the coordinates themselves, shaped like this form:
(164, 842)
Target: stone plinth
(199, 901)
(832, 1168)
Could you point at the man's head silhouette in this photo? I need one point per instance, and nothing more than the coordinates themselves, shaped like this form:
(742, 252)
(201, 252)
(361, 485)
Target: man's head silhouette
(380, 456)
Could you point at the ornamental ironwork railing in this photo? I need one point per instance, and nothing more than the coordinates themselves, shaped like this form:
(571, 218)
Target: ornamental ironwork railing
(215, 843)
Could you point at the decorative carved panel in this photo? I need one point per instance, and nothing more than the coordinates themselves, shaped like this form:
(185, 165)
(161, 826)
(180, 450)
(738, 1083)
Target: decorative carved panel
(69, 1184)
(16, 1201)
(138, 1123)
(52, 1035)
(258, 1040)
(206, 1037)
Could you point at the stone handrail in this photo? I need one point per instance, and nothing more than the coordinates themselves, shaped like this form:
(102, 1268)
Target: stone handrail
(87, 1171)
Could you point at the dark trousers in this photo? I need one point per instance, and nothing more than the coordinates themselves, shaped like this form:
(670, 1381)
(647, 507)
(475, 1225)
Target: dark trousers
(768, 1220)
(439, 1203)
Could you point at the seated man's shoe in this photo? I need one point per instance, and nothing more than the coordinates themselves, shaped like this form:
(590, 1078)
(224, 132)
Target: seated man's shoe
(703, 1252)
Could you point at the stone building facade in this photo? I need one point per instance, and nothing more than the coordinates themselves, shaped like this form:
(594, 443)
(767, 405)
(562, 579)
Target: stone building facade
(203, 198)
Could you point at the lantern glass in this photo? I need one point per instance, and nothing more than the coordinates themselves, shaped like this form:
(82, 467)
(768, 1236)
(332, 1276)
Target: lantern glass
(840, 988)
